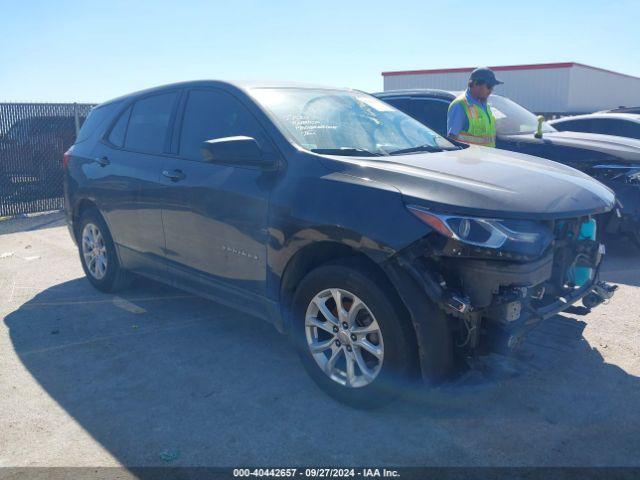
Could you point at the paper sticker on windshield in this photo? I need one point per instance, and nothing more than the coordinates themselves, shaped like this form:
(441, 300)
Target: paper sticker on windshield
(374, 103)
(308, 126)
(497, 113)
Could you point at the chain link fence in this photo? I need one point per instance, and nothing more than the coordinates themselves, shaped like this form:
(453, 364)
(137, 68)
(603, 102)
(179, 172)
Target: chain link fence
(33, 139)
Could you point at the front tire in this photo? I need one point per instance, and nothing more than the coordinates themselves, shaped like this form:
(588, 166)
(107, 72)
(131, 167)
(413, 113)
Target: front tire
(98, 254)
(352, 336)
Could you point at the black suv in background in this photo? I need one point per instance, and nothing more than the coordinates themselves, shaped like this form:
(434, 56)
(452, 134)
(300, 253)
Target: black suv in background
(613, 160)
(31, 151)
(380, 247)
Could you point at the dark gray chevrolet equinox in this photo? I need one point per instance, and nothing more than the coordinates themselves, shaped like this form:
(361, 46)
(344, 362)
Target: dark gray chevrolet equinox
(383, 250)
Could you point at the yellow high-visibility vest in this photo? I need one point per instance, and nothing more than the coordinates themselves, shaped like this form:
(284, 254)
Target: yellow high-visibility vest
(482, 124)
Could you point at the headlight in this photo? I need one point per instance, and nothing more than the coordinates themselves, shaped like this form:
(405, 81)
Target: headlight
(517, 236)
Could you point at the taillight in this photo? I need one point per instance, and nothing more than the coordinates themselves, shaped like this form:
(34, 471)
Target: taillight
(65, 159)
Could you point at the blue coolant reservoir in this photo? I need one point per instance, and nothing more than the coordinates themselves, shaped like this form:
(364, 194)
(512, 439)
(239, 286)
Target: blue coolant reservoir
(582, 275)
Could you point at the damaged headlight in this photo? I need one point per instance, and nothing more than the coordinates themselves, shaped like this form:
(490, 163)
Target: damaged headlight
(523, 237)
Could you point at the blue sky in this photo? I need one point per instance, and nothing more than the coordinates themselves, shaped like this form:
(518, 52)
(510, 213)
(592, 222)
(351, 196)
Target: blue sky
(93, 51)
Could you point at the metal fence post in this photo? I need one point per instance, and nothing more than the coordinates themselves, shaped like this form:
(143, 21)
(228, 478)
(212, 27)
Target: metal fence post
(75, 117)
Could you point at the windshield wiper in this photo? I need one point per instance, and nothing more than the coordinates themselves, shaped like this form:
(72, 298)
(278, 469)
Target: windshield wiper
(346, 151)
(419, 148)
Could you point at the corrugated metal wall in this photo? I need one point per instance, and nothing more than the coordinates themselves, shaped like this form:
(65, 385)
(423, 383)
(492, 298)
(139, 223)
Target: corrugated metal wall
(591, 90)
(538, 90)
(573, 89)
(444, 81)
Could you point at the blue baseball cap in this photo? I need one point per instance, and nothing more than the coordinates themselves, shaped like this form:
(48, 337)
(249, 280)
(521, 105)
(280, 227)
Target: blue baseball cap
(485, 75)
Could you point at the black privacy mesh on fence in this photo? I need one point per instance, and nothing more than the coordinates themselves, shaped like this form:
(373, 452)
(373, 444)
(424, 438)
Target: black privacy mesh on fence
(33, 139)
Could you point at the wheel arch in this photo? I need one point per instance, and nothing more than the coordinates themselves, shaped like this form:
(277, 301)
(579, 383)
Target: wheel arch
(81, 207)
(322, 253)
(333, 253)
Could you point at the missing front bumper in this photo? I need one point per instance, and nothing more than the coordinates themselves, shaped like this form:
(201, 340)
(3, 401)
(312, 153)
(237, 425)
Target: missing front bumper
(494, 304)
(506, 338)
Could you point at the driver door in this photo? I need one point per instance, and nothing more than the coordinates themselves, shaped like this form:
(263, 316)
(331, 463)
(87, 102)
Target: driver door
(214, 215)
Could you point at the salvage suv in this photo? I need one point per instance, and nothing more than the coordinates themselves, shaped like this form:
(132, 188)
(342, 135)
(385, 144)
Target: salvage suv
(385, 251)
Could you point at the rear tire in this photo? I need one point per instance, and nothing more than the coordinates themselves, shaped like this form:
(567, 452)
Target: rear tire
(383, 361)
(98, 254)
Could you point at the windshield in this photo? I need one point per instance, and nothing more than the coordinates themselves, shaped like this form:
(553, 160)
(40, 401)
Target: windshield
(512, 119)
(343, 122)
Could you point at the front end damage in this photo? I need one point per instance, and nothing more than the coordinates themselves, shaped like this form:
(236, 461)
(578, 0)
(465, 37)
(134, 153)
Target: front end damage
(493, 297)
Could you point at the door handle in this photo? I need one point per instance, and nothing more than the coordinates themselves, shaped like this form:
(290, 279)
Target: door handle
(102, 161)
(174, 175)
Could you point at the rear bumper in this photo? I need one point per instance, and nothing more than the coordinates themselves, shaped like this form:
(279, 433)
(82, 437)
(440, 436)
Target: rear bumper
(72, 233)
(70, 225)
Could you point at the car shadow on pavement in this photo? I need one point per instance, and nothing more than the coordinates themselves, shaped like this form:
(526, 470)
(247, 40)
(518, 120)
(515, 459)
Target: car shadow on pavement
(157, 370)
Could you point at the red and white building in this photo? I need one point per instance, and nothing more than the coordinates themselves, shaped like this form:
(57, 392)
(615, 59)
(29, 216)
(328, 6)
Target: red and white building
(542, 88)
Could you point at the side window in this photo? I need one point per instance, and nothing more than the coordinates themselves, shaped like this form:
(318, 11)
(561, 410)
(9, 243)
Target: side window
(213, 114)
(149, 122)
(117, 135)
(574, 126)
(432, 113)
(19, 130)
(402, 104)
(98, 117)
(605, 127)
(634, 130)
(615, 126)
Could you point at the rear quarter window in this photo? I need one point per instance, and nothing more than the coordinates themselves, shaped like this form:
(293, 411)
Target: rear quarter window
(97, 120)
(119, 130)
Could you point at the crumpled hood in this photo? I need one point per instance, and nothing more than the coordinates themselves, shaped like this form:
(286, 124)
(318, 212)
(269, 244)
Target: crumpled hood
(623, 148)
(487, 182)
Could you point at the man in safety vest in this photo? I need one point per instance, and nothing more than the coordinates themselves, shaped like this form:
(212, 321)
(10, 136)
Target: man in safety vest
(469, 119)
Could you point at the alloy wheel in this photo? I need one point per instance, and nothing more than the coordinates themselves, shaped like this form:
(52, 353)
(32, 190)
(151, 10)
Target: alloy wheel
(344, 338)
(94, 251)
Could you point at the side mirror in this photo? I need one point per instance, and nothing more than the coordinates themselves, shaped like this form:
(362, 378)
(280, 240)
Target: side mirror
(241, 151)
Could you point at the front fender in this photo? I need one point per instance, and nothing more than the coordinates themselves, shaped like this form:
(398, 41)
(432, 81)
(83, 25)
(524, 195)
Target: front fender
(366, 216)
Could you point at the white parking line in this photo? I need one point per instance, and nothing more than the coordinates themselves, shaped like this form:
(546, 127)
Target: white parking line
(110, 300)
(125, 304)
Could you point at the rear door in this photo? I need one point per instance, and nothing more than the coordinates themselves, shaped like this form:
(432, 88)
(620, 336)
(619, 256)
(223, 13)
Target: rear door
(127, 180)
(215, 216)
